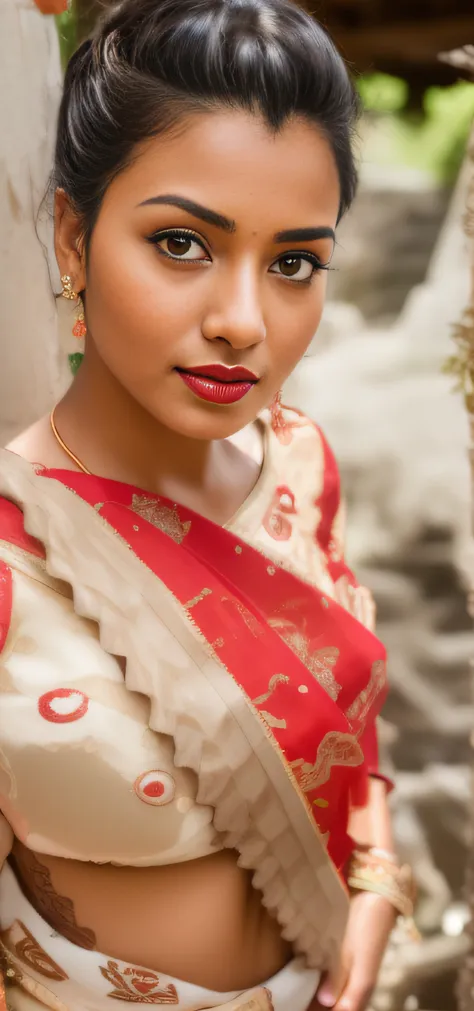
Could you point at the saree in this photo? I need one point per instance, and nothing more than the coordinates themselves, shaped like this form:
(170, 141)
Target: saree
(266, 685)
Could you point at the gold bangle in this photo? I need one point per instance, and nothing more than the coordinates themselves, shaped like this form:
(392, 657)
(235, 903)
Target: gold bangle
(368, 871)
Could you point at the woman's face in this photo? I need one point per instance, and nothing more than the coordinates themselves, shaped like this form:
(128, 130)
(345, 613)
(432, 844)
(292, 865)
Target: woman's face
(211, 250)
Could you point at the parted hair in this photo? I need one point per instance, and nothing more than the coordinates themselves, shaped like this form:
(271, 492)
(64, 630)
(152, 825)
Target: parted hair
(150, 64)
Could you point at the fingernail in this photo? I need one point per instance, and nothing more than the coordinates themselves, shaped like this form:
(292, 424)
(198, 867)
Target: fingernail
(326, 997)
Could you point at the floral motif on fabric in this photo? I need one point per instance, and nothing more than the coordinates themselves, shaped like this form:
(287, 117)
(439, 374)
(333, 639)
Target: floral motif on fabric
(21, 941)
(164, 518)
(276, 521)
(138, 986)
(336, 748)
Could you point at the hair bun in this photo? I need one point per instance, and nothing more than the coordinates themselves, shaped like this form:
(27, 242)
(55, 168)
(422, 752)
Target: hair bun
(151, 62)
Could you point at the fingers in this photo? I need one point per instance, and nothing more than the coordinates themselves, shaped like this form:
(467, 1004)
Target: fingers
(356, 996)
(332, 984)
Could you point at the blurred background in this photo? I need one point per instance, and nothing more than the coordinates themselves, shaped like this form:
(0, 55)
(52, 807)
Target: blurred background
(375, 378)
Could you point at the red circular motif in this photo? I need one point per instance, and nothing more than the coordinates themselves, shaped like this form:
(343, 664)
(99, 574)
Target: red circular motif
(62, 713)
(155, 787)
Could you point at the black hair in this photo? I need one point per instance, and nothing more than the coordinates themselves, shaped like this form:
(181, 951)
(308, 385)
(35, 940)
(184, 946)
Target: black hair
(152, 62)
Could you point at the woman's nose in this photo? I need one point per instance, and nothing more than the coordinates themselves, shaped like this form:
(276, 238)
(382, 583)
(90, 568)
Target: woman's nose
(235, 313)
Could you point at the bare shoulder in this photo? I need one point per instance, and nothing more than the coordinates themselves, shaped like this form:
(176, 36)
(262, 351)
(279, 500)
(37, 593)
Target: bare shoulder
(38, 445)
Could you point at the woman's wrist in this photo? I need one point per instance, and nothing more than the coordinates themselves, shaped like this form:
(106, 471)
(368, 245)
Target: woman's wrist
(372, 869)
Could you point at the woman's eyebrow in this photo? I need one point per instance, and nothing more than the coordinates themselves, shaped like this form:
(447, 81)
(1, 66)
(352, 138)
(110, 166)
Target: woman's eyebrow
(228, 224)
(197, 210)
(306, 234)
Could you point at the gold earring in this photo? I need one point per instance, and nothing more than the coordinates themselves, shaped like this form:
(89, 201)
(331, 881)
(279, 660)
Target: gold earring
(79, 329)
(67, 291)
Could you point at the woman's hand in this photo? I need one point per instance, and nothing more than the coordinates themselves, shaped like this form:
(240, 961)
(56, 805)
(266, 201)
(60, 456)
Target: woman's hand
(371, 921)
(52, 6)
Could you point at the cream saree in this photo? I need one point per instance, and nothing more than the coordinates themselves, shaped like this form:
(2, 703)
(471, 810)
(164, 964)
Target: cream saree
(264, 688)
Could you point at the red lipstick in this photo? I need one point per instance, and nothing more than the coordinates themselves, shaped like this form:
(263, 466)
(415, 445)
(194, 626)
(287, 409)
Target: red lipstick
(218, 384)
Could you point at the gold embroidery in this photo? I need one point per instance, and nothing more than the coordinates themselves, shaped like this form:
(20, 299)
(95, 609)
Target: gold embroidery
(362, 705)
(336, 748)
(247, 616)
(320, 663)
(138, 986)
(162, 517)
(272, 721)
(27, 949)
(196, 600)
(23, 556)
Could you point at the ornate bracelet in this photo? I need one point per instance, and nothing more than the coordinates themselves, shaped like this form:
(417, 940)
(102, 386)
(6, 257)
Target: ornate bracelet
(371, 871)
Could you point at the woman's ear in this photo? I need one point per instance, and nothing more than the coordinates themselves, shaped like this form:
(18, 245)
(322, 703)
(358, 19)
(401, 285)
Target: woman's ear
(68, 242)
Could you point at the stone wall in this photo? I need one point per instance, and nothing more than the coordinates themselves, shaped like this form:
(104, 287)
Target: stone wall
(401, 437)
(32, 370)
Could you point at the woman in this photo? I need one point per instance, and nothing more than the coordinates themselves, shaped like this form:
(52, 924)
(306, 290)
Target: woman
(187, 712)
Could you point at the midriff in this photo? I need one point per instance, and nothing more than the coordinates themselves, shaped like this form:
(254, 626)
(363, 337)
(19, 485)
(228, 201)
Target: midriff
(201, 921)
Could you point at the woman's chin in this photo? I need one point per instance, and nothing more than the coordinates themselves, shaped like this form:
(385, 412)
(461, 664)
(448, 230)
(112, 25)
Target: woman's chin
(206, 422)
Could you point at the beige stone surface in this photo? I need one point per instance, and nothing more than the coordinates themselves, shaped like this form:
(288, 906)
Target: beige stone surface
(401, 437)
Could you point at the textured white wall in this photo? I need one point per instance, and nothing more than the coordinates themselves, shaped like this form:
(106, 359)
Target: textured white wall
(30, 371)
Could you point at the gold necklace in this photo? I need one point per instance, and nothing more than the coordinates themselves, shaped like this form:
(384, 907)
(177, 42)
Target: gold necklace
(65, 448)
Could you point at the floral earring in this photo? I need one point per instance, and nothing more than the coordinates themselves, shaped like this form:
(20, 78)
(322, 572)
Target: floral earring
(79, 329)
(275, 410)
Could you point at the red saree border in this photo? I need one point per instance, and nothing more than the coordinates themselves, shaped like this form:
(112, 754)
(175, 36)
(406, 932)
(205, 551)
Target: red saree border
(272, 632)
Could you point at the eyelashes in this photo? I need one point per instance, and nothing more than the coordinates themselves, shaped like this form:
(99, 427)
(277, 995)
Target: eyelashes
(294, 263)
(181, 242)
(182, 245)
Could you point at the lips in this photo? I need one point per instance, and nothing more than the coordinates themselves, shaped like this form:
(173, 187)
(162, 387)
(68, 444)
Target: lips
(218, 384)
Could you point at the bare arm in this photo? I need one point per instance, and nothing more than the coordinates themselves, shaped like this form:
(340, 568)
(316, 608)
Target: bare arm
(371, 825)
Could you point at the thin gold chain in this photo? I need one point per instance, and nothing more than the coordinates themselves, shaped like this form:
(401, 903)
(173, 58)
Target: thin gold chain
(66, 449)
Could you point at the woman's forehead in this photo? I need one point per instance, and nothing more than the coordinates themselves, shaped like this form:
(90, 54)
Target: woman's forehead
(234, 163)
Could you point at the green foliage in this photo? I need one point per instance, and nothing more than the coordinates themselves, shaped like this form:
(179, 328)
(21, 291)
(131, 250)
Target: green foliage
(381, 93)
(67, 32)
(433, 141)
(75, 361)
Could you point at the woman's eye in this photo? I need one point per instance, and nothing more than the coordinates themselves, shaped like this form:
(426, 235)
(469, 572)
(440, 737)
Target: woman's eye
(180, 246)
(296, 268)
